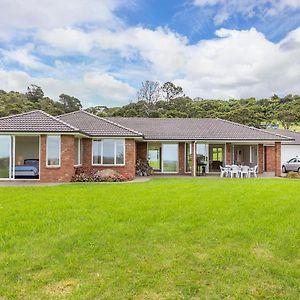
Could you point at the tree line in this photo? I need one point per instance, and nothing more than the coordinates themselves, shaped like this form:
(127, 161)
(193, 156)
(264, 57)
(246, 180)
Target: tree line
(169, 101)
(165, 101)
(15, 102)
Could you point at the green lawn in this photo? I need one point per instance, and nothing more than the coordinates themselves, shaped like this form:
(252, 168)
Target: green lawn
(162, 239)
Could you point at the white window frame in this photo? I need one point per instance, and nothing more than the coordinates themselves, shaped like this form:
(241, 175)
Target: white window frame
(59, 151)
(79, 158)
(115, 151)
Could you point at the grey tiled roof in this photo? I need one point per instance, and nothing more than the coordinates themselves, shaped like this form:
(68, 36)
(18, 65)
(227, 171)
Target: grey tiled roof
(292, 134)
(34, 121)
(96, 126)
(195, 129)
(148, 128)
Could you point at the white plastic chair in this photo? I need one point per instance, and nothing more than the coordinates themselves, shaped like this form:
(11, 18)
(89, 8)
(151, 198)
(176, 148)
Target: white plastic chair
(245, 171)
(253, 171)
(224, 172)
(235, 171)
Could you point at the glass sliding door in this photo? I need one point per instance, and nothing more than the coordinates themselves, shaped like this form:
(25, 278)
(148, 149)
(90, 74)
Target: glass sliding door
(202, 153)
(5, 157)
(202, 156)
(188, 157)
(170, 158)
(154, 156)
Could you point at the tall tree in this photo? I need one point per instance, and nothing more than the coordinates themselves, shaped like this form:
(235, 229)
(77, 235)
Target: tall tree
(171, 91)
(34, 93)
(69, 103)
(287, 115)
(149, 94)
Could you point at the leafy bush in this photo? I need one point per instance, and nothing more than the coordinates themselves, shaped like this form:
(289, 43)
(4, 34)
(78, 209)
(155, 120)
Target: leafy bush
(292, 175)
(92, 175)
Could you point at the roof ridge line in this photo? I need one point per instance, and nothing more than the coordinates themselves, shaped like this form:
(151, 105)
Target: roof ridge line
(254, 128)
(61, 121)
(111, 122)
(121, 126)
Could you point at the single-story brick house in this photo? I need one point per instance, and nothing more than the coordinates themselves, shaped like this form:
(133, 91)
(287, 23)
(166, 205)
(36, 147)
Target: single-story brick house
(38, 146)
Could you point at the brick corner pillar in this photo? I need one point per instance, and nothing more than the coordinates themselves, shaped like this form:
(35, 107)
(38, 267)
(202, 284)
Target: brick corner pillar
(278, 159)
(141, 150)
(228, 160)
(194, 158)
(65, 171)
(87, 152)
(130, 157)
(260, 158)
(181, 158)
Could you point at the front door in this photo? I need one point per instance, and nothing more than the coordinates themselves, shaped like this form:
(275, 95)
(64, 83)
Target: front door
(216, 157)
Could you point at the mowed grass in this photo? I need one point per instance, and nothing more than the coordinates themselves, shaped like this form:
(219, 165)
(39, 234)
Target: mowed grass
(162, 239)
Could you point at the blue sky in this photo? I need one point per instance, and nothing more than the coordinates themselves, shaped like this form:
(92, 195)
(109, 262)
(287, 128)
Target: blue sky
(197, 22)
(101, 50)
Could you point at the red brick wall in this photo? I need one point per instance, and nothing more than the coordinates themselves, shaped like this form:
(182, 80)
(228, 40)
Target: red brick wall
(141, 150)
(65, 172)
(87, 153)
(278, 159)
(130, 157)
(228, 154)
(260, 158)
(269, 158)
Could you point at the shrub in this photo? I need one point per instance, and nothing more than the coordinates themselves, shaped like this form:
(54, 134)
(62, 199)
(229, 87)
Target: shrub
(292, 175)
(92, 175)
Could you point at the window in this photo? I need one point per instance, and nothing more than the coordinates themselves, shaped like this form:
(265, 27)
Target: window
(108, 152)
(293, 160)
(217, 153)
(78, 152)
(97, 145)
(119, 152)
(53, 150)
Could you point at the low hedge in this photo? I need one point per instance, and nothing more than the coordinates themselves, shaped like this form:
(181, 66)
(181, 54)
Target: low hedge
(293, 175)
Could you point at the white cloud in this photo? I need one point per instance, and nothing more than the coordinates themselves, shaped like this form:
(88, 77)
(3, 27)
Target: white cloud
(108, 87)
(235, 64)
(66, 40)
(23, 57)
(103, 87)
(48, 14)
(161, 48)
